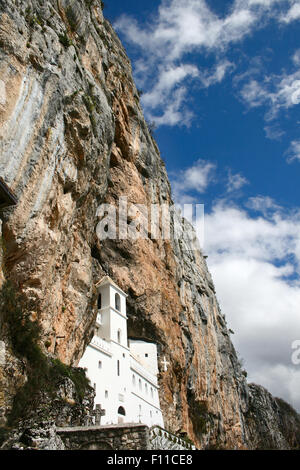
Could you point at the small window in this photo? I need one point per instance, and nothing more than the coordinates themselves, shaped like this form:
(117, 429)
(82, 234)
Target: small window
(100, 365)
(146, 388)
(151, 392)
(140, 384)
(150, 414)
(106, 394)
(146, 355)
(121, 411)
(94, 386)
(117, 302)
(119, 336)
(118, 367)
(99, 302)
(133, 380)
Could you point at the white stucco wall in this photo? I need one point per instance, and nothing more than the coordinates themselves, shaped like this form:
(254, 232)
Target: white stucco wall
(131, 385)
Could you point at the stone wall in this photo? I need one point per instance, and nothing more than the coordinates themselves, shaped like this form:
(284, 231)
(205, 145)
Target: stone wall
(114, 437)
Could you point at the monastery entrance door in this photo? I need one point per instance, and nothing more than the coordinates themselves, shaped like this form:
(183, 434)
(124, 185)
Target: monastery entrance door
(121, 414)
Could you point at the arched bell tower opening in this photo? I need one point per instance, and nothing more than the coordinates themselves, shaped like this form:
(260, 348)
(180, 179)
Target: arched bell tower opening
(117, 302)
(99, 303)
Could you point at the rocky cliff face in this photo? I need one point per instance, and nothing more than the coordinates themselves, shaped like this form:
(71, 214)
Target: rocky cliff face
(73, 136)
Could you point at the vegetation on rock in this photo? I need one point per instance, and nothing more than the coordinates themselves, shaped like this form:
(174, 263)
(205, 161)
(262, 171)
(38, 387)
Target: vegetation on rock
(43, 373)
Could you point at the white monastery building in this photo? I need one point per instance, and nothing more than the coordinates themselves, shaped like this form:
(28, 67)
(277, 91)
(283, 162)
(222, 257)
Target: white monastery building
(123, 371)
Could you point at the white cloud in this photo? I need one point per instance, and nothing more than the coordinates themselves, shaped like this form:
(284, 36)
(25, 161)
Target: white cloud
(209, 78)
(273, 132)
(195, 178)
(296, 57)
(235, 181)
(255, 263)
(262, 204)
(181, 28)
(265, 3)
(168, 79)
(174, 112)
(276, 92)
(254, 94)
(292, 14)
(288, 91)
(170, 95)
(294, 151)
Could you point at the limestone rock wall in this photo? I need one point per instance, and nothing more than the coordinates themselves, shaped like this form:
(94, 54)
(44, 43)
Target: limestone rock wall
(271, 422)
(73, 136)
(38, 430)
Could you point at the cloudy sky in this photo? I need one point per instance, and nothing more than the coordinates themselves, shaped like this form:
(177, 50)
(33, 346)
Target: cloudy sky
(221, 81)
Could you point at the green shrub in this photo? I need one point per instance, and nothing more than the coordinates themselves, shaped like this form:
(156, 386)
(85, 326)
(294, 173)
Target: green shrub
(15, 311)
(43, 373)
(78, 377)
(65, 40)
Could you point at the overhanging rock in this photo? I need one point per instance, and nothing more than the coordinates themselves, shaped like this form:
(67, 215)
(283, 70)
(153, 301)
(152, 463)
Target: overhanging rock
(7, 197)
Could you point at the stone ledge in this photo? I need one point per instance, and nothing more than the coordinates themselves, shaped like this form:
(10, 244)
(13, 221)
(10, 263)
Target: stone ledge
(100, 428)
(129, 436)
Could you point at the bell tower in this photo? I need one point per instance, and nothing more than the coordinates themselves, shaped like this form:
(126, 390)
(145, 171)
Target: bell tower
(111, 318)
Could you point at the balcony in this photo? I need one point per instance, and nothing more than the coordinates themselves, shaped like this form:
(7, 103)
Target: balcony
(101, 344)
(140, 369)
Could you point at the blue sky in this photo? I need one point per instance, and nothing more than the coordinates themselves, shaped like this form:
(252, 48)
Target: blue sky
(221, 80)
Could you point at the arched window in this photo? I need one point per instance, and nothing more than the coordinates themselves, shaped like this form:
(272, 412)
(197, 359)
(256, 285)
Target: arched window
(146, 388)
(151, 392)
(121, 411)
(140, 384)
(117, 302)
(133, 380)
(99, 302)
(119, 336)
(118, 367)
